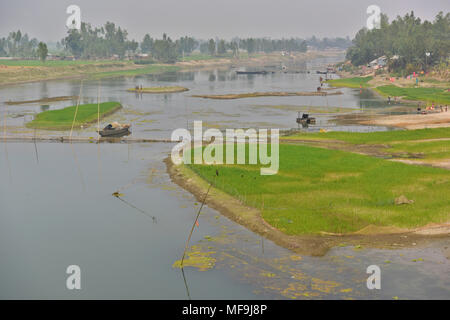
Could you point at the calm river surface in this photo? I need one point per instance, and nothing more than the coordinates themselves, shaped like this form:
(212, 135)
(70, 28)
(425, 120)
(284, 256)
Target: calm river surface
(57, 208)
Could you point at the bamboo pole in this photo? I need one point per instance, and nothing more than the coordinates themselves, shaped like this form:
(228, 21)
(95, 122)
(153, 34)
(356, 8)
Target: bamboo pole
(98, 110)
(196, 219)
(76, 109)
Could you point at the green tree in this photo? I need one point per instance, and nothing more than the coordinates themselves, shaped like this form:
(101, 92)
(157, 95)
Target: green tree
(147, 44)
(221, 47)
(212, 47)
(42, 51)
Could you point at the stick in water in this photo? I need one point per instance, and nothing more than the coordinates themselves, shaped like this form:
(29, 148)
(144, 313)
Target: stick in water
(196, 219)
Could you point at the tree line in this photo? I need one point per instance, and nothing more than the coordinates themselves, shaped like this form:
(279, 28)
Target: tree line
(110, 40)
(18, 45)
(407, 42)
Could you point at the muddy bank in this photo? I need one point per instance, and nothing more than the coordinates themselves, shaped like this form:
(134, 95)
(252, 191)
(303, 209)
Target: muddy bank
(412, 121)
(314, 245)
(264, 94)
(155, 90)
(43, 100)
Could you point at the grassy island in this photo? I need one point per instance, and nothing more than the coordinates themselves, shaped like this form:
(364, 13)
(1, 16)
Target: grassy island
(62, 119)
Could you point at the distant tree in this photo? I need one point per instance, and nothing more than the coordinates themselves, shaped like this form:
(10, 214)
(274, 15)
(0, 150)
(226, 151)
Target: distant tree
(212, 47)
(132, 45)
(204, 47)
(42, 51)
(147, 44)
(234, 47)
(250, 44)
(165, 50)
(221, 47)
(73, 42)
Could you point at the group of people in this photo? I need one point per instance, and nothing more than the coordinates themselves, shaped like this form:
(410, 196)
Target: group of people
(439, 108)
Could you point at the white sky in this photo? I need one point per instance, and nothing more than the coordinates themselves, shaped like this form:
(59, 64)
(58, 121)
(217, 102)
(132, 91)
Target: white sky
(45, 19)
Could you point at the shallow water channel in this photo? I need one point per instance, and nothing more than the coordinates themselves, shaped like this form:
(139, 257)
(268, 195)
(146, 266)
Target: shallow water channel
(57, 207)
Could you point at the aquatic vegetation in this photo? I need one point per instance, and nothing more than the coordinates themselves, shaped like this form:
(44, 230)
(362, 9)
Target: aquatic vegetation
(62, 119)
(197, 258)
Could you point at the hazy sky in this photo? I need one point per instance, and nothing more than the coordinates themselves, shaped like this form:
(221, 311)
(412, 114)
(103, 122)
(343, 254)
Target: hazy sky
(45, 19)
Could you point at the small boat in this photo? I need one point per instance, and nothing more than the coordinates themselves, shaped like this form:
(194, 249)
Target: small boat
(115, 130)
(305, 119)
(251, 72)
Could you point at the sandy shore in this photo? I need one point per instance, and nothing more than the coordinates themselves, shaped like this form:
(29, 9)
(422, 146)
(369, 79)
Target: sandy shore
(412, 121)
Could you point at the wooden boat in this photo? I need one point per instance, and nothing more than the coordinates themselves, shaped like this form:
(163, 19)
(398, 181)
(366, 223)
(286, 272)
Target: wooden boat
(305, 119)
(115, 131)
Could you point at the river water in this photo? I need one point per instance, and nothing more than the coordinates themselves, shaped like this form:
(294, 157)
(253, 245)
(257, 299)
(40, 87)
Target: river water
(57, 207)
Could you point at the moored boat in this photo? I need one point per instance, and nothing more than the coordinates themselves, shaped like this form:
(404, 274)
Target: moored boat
(115, 130)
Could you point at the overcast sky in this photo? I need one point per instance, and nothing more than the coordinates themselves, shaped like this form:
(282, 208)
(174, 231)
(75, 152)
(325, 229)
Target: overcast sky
(45, 19)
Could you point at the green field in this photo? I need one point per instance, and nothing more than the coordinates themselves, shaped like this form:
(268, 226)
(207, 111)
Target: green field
(396, 141)
(376, 137)
(436, 95)
(432, 150)
(355, 82)
(336, 191)
(54, 63)
(62, 119)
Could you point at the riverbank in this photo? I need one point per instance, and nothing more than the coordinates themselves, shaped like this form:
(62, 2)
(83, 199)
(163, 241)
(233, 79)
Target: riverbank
(339, 198)
(158, 89)
(412, 121)
(24, 71)
(428, 91)
(264, 94)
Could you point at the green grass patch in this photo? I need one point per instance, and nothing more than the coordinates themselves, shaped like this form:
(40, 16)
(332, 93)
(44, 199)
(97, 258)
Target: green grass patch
(62, 119)
(436, 95)
(354, 82)
(377, 137)
(439, 149)
(335, 191)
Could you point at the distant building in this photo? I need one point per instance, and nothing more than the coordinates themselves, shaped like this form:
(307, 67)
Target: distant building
(378, 62)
